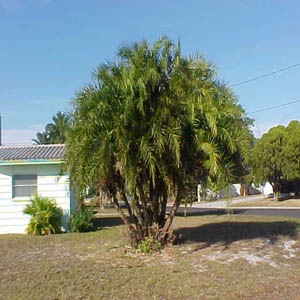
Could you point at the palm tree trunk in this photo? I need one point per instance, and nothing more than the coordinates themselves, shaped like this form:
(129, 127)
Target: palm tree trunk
(145, 209)
(132, 232)
(165, 231)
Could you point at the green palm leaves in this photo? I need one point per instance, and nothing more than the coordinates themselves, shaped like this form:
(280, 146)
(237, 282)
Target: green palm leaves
(55, 132)
(152, 123)
(45, 216)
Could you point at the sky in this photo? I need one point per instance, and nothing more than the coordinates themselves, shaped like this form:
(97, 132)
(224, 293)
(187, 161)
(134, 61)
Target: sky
(49, 49)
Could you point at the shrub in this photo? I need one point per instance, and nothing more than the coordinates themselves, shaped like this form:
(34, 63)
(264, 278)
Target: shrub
(148, 245)
(81, 221)
(45, 216)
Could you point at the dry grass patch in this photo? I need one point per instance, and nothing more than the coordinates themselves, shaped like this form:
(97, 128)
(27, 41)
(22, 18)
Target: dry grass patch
(269, 202)
(216, 257)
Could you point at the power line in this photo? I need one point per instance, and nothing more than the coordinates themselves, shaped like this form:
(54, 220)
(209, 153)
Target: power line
(265, 75)
(275, 106)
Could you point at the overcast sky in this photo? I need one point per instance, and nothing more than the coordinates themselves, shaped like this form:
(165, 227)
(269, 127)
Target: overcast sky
(48, 49)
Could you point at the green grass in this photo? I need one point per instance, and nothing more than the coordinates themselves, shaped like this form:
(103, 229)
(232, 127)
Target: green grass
(216, 257)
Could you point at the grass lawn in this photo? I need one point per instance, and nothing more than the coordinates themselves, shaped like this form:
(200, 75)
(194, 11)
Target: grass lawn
(217, 257)
(269, 202)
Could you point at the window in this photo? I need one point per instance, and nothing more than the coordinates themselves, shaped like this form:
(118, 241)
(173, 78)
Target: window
(24, 185)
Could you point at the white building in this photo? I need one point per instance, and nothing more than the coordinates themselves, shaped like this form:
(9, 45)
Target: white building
(26, 171)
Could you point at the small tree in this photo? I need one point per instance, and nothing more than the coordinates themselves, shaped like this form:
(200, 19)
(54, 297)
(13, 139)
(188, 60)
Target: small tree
(153, 124)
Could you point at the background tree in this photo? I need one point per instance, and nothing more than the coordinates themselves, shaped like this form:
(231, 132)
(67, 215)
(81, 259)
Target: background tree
(267, 158)
(55, 132)
(291, 165)
(276, 158)
(151, 125)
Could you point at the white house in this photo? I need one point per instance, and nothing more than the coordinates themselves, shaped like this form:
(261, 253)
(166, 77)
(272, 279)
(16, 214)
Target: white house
(268, 189)
(26, 171)
(233, 190)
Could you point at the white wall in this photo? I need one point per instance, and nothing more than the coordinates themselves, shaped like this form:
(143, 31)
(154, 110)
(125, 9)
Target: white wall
(233, 190)
(268, 189)
(50, 184)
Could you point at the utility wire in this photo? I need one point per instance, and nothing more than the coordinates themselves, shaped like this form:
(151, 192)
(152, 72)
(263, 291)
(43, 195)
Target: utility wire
(272, 107)
(265, 75)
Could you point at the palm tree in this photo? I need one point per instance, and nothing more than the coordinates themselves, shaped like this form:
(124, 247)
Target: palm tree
(55, 132)
(153, 124)
(41, 138)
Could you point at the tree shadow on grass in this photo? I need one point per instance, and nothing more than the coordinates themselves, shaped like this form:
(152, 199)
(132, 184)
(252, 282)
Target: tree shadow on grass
(204, 212)
(101, 222)
(229, 232)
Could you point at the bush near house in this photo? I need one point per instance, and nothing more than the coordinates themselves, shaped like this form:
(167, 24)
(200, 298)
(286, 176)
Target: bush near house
(82, 220)
(45, 216)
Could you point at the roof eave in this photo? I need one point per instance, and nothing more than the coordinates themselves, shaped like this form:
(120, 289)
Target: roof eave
(31, 162)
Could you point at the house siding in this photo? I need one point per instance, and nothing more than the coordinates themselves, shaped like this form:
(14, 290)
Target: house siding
(49, 184)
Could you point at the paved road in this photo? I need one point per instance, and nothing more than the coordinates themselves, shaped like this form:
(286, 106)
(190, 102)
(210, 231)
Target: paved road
(219, 207)
(283, 212)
